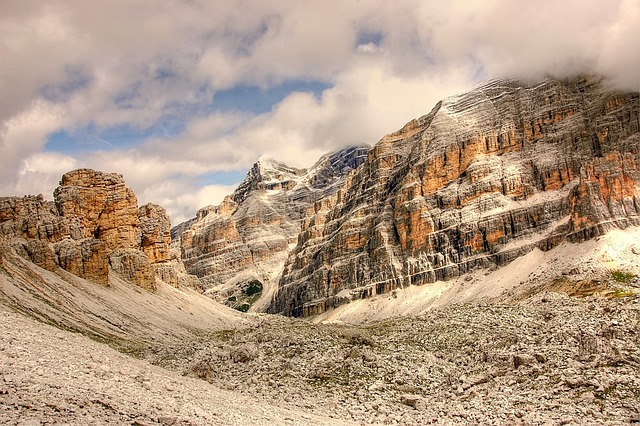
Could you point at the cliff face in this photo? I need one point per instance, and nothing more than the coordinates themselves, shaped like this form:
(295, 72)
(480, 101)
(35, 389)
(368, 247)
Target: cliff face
(238, 248)
(482, 179)
(93, 225)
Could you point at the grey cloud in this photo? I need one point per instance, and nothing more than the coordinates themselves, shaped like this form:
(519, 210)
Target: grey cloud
(67, 64)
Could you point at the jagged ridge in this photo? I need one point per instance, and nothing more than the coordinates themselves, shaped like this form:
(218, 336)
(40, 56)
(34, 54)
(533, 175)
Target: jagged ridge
(94, 226)
(245, 240)
(482, 179)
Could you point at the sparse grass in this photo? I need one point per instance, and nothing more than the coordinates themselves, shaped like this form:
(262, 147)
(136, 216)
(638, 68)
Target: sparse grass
(618, 292)
(622, 276)
(243, 308)
(226, 335)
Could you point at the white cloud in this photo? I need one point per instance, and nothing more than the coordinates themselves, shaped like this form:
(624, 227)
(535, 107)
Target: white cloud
(71, 64)
(182, 197)
(23, 136)
(41, 172)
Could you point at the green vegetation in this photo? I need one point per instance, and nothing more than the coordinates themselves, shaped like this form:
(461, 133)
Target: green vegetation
(225, 335)
(243, 308)
(255, 287)
(622, 276)
(243, 301)
(621, 293)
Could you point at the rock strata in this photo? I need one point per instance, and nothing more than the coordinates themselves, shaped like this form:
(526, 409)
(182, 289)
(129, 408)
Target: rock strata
(93, 225)
(482, 179)
(155, 230)
(242, 243)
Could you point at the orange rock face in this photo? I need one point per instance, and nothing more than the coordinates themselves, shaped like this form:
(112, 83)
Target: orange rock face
(155, 230)
(93, 226)
(99, 205)
(608, 192)
(484, 178)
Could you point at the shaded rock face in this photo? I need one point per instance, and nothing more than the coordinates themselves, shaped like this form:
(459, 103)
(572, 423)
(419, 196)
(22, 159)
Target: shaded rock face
(174, 273)
(87, 258)
(155, 232)
(93, 225)
(134, 266)
(481, 180)
(248, 236)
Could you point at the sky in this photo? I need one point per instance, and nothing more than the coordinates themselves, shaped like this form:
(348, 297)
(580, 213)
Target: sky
(182, 97)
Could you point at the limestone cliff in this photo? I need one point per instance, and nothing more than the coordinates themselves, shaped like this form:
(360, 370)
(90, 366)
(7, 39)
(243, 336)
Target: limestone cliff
(93, 226)
(238, 248)
(483, 178)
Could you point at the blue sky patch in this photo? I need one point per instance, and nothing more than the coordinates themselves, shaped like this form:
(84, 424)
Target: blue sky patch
(222, 178)
(258, 100)
(367, 37)
(119, 137)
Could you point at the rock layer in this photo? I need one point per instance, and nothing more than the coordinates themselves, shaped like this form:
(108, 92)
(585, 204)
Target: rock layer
(93, 225)
(248, 236)
(483, 178)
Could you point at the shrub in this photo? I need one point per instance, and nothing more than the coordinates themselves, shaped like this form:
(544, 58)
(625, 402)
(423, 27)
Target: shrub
(243, 308)
(255, 287)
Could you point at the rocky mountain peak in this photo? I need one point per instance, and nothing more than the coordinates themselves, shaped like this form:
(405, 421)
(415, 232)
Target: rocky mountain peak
(93, 226)
(484, 178)
(332, 166)
(267, 175)
(240, 245)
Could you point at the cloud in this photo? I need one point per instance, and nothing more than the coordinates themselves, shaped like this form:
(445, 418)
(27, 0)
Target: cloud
(41, 173)
(72, 65)
(183, 197)
(22, 136)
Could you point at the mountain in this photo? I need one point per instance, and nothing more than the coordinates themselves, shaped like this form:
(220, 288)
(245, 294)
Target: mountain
(92, 261)
(238, 248)
(483, 179)
(94, 227)
(551, 336)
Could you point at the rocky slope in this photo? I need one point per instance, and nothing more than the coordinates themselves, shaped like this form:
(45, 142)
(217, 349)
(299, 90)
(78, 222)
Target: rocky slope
(549, 361)
(49, 376)
(562, 352)
(482, 179)
(238, 248)
(92, 227)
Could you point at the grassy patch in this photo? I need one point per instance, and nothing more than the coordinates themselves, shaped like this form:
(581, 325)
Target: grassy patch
(622, 276)
(243, 308)
(225, 335)
(618, 292)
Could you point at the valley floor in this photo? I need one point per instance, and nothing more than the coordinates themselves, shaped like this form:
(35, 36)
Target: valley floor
(49, 376)
(553, 338)
(552, 360)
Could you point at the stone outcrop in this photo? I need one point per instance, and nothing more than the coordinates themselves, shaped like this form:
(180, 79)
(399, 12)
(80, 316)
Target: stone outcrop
(93, 225)
(87, 258)
(155, 232)
(175, 274)
(99, 205)
(134, 266)
(483, 178)
(245, 240)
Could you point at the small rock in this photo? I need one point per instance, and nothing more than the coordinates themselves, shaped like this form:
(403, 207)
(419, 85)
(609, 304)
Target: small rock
(167, 420)
(414, 401)
(523, 359)
(540, 358)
